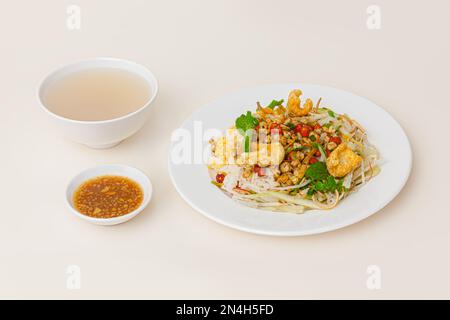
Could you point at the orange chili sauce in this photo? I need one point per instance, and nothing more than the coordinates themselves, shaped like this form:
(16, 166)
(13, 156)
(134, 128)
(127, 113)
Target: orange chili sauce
(108, 197)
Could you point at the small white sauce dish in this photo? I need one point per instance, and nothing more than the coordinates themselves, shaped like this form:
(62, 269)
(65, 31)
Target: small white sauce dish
(101, 134)
(115, 170)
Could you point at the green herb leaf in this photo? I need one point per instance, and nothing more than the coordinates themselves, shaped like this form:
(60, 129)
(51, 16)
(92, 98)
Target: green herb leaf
(331, 113)
(340, 187)
(321, 180)
(324, 186)
(328, 185)
(291, 125)
(275, 103)
(247, 143)
(246, 121)
(317, 171)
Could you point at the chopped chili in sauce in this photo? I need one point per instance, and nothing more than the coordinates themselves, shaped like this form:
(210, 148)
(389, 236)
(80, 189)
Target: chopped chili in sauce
(108, 197)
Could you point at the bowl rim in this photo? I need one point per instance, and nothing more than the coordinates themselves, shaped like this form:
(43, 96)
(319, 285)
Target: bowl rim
(87, 60)
(114, 220)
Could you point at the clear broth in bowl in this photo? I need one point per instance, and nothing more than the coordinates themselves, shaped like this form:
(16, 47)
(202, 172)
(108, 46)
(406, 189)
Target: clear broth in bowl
(97, 94)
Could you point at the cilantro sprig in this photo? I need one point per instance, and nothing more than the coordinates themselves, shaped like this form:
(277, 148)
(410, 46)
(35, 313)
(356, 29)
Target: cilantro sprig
(317, 172)
(328, 185)
(321, 180)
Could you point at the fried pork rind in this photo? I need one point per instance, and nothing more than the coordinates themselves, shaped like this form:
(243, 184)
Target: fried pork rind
(342, 161)
(294, 104)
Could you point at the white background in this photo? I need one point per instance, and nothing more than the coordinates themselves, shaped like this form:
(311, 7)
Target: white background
(200, 50)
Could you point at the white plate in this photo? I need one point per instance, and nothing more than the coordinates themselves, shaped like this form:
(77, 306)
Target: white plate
(193, 183)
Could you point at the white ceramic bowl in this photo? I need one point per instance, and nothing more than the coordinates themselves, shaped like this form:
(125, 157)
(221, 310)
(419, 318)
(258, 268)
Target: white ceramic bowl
(112, 169)
(105, 133)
